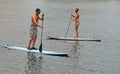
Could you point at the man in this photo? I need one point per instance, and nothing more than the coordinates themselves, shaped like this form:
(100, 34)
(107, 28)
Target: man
(76, 19)
(33, 28)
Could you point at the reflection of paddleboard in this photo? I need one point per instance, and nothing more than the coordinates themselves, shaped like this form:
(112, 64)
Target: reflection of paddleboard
(72, 39)
(36, 51)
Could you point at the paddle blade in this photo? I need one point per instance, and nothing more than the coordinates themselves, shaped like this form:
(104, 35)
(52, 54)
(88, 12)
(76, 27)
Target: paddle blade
(40, 48)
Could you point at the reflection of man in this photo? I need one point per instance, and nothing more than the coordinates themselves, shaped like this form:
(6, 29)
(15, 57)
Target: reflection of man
(76, 19)
(33, 28)
(33, 65)
(75, 52)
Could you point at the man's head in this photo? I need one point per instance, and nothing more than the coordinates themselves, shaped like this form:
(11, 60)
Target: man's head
(76, 10)
(37, 11)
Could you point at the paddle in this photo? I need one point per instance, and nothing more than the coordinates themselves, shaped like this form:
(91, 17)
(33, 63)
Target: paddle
(40, 47)
(68, 27)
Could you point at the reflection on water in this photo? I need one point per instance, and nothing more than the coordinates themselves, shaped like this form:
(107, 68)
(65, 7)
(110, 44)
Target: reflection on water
(74, 51)
(33, 65)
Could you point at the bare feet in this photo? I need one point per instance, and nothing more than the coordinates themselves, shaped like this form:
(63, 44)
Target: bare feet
(76, 38)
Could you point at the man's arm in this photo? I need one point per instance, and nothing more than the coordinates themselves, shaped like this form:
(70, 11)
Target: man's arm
(41, 18)
(35, 22)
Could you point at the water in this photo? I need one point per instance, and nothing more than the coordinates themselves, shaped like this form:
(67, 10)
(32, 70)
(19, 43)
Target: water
(99, 19)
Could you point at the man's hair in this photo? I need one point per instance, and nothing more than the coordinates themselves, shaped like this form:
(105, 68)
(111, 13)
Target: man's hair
(38, 10)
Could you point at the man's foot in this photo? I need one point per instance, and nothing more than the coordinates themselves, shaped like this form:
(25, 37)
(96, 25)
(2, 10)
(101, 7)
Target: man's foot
(29, 48)
(34, 48)
(76, 38)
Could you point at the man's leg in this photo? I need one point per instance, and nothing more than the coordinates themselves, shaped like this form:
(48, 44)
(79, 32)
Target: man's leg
(34, 41)
(30, 41)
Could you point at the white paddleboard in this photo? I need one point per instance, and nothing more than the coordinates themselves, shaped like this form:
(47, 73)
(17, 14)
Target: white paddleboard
(73, 39)
(36, 51)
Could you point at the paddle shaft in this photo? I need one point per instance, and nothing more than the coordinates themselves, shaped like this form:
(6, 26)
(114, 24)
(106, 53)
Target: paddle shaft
(68, 27)
(40, 47)
(41, 32)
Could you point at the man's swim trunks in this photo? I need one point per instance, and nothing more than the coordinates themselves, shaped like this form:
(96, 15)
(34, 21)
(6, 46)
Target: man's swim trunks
(33, 31)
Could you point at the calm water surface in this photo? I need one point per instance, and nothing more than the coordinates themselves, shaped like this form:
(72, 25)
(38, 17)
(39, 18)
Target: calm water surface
(99, 19)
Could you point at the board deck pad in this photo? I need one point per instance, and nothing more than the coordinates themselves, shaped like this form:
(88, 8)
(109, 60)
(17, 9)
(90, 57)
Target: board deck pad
(51, 53)
(73, 39)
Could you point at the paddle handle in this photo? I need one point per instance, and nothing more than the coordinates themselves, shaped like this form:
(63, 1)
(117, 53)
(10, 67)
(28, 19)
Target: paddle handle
(42, 28)
(68, 27)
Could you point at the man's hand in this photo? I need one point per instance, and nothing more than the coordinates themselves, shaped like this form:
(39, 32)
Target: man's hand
(41, 26)
(72, 15)
(42, 17)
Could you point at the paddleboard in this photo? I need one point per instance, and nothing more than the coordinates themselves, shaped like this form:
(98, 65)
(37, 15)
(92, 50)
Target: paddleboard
(73, 39)
(51, 53)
